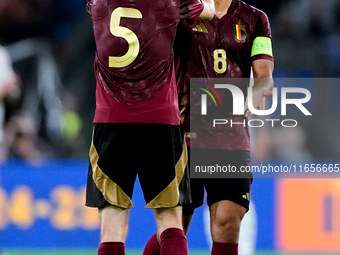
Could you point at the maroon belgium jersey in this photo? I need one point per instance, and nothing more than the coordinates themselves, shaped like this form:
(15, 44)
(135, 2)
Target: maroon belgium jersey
(134, 59)
(220, 48)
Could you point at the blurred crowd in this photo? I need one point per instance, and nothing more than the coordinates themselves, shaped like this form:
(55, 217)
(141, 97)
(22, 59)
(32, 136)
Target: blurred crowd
(49, 98)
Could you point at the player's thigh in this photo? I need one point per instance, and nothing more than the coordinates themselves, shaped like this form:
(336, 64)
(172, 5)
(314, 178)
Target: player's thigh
(114, 223)
(162, 166)
(225, 212)
(168, 218)
(225, 219)
(112, 168)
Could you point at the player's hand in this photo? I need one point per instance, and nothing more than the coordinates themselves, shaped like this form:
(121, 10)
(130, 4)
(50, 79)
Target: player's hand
(259, 100)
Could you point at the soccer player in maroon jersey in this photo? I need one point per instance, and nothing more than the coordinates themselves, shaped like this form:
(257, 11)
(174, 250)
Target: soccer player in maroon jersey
(237, 39)
(137, 120)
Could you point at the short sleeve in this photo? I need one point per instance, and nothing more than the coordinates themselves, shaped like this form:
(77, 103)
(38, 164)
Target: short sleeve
(191, 9)
(262, 43)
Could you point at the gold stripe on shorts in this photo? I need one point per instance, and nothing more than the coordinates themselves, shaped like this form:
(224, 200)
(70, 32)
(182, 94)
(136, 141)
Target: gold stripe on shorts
(110, 190)
(169, 198)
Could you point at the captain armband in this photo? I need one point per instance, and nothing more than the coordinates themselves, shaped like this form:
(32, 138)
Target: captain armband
(262, 45)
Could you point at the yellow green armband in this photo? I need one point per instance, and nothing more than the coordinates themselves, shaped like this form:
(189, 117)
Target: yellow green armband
(262, 45)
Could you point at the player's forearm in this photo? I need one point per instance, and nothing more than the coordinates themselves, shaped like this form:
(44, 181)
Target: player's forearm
(263, 74)
(208, 11)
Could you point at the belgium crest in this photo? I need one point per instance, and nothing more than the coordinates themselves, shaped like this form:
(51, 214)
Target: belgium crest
(240, 32)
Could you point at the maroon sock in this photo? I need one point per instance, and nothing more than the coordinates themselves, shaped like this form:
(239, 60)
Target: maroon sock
(224, 248)
(152, 247)
(174, 242)
(111, 248)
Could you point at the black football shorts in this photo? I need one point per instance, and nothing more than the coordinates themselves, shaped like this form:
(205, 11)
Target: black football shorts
(232, 189)
(120, 151)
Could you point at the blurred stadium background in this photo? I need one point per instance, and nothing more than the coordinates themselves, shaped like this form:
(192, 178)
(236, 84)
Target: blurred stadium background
(48, 131)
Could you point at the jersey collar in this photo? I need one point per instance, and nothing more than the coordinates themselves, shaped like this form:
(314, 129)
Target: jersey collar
(232, 6)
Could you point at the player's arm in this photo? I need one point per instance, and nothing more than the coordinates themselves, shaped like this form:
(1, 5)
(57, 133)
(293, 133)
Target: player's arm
(263, 83)
(197, 9)
(262, 63)
(208, 11)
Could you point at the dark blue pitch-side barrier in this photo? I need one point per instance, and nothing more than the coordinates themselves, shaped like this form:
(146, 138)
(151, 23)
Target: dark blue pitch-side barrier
(42, 206)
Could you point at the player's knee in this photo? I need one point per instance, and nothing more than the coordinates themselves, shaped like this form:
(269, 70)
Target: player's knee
(226, 229)
(227, 223)
(227, 214)
(170, 212)
(168, 218)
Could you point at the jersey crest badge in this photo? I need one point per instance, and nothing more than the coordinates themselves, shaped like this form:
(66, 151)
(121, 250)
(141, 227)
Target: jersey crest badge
(240, 32)
(200, 28)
